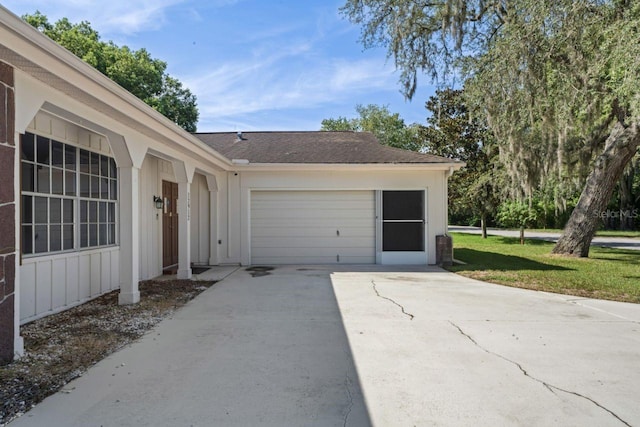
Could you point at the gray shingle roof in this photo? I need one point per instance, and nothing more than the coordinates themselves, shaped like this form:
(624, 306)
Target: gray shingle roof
(312, 147)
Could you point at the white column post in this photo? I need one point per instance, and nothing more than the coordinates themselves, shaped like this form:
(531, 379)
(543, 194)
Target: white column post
(129, 235)
(212, 184)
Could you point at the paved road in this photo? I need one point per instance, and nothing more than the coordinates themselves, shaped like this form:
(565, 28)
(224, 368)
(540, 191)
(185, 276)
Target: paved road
(361, 346)
(610, 242)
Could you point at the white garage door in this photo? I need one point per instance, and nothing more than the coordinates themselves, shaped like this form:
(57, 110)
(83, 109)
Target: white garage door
(312, 227)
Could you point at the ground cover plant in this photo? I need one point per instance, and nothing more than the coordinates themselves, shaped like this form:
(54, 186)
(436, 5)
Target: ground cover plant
(63, 346)
(612, 274)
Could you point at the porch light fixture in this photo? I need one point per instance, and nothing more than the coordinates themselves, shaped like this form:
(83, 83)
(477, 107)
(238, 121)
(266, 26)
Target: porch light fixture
(158, 202)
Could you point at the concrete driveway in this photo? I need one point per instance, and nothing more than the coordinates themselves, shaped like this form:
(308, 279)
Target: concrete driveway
(359, 346)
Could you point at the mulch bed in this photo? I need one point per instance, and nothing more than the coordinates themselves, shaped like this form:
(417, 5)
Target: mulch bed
(61, 347)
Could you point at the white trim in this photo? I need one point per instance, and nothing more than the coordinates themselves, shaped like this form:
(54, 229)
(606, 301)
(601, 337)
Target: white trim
(275, 167)
(404, 258)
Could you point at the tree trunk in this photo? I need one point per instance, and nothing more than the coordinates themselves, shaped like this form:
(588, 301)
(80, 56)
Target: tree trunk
(522, 235)
(620, 147)
(483, 224)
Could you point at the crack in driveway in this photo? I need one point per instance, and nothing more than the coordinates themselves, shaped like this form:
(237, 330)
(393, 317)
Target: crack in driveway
(411, 316)
(552, 388)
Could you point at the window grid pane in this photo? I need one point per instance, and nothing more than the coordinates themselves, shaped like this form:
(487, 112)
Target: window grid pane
(61, 178)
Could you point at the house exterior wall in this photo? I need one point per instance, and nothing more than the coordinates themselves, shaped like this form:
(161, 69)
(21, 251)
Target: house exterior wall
(52, 283)
(434, 182)
(9, 336)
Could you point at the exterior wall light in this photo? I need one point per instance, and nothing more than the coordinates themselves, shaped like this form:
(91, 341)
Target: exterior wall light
(158, 202)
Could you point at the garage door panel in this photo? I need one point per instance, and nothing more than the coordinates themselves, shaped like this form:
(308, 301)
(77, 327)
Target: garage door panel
(313, 243)
(310, 251)
(313, 214)
(298, 205)
(309, 196)
(298, 260)
(306, 232)
(289, 227)
(300, 227)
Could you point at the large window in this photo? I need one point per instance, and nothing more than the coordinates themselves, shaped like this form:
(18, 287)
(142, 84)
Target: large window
(69, 197)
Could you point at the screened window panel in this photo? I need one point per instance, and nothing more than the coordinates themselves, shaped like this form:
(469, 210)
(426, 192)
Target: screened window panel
(403, 205)
(402, 236)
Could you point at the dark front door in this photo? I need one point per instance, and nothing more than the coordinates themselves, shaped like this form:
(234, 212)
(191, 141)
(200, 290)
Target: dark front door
(169, 225)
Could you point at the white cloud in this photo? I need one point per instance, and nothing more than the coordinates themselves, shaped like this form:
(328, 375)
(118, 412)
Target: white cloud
(111, 16)
(238, 89)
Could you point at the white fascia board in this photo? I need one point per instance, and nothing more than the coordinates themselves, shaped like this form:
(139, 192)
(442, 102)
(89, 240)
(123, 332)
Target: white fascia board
(29, 43)
(267, 167)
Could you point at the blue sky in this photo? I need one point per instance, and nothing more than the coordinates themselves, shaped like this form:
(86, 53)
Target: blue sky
(253, 64)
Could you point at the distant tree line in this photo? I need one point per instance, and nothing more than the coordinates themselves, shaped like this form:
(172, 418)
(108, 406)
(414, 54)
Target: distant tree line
(481, 193)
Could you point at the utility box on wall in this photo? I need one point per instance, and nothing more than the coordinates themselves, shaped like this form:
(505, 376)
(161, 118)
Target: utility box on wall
(444, 250)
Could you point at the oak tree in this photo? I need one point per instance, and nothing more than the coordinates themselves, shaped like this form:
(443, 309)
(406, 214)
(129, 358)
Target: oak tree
(558, 82)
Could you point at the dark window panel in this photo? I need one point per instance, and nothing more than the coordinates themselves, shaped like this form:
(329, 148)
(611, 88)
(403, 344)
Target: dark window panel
(41, 237)
(113, 192)
(93, 212)
(102, 234)
(95, 187)
(84, 161)
(27, 239)
(84, 235)
(55, 211)
(84, 206)
(70, 183)
(57, 181)
(113, 170)
(70, 157)
(104, 166)
(41, 209)
(104, 188)
(27, 209)
(95, 164)
(402, 236)
(28, 173)
(112, 234)
(84, 185)
(67, 237)
(28, 150)
(403, 205)
(55, 236)
(42, 146)
(93, 235)
(102, 212)
(67, 211)
(57, 154)
(112, 212)
(42, 179)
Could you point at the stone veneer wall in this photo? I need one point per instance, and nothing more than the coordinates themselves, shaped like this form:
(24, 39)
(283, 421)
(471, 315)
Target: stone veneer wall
(7, 213)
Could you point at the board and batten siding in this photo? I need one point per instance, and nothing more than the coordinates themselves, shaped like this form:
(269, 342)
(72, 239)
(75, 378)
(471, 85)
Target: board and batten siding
(312, 227)
(200, 220)
(150, 218)
(54, 283)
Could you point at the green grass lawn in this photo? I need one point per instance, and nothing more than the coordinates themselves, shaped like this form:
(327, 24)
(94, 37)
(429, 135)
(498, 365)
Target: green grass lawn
(612, 274)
